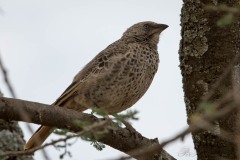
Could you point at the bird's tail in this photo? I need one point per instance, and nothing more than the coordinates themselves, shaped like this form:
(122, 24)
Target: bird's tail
(38, 137)
(66, 100)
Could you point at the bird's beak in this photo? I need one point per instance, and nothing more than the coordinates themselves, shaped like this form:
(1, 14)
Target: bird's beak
(158, 28)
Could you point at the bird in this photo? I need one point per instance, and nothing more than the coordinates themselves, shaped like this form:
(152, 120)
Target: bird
(114, 79)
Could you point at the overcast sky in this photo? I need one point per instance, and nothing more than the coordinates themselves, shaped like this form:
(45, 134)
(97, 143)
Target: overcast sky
(44, 43)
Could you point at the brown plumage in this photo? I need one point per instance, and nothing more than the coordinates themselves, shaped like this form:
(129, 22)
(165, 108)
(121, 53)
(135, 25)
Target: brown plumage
(115, 79)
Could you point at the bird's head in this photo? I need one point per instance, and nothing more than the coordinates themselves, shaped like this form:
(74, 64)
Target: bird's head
(144, 31)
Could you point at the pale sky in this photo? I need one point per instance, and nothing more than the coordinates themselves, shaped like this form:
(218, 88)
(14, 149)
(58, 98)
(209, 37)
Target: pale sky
(44, 43)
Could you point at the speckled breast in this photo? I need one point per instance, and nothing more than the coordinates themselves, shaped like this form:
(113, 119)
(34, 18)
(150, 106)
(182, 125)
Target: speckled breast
(129, 79)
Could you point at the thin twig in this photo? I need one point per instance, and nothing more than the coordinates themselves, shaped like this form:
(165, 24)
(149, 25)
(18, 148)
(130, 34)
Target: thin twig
(221, 79)
(11, 90)
(222, 8)
(24, 114)
(6, 79)
(90, 128)
(236, 98)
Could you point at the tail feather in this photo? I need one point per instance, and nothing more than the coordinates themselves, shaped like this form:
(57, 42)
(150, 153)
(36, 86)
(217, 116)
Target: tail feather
(38, 137)
(66, 100)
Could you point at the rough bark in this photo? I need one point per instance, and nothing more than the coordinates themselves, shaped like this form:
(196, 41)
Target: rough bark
(121, 138)
(205, 52)
(11, 138)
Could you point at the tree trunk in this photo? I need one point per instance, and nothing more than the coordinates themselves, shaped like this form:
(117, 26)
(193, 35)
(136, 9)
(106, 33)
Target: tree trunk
(206, 50)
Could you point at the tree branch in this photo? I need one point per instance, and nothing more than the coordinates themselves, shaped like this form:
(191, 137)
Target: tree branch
(54, 116)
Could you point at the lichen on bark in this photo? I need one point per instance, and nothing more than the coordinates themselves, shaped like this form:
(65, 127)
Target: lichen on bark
(205, 52)
(11, 138)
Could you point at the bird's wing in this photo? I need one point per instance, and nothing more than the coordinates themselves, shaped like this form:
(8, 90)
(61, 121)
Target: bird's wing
(99, 62)
(93, 69)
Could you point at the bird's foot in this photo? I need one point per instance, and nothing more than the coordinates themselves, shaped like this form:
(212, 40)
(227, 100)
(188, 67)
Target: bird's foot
(132, 130)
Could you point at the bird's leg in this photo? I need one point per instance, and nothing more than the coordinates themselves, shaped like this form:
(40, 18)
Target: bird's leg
(129, 127)
(132, 130)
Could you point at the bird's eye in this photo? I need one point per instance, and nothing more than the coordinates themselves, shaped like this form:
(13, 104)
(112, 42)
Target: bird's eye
(146, 27)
